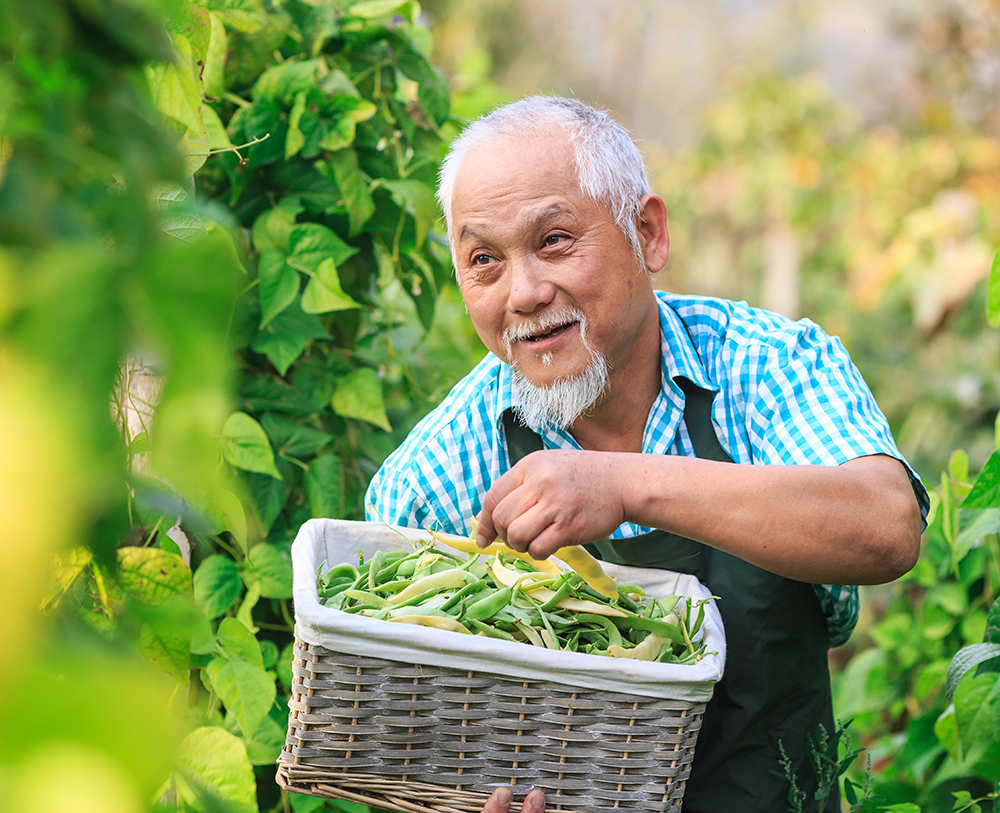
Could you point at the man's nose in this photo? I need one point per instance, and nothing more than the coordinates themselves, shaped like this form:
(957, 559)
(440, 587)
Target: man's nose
(530, 285)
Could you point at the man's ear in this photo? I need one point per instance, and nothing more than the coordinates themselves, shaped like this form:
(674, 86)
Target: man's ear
(653, 235)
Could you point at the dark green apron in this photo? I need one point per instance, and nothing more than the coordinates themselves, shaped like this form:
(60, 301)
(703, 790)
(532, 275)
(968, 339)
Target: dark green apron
(776, 686)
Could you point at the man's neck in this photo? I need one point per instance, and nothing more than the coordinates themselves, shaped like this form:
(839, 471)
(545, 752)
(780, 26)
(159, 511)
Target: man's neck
(618, 422)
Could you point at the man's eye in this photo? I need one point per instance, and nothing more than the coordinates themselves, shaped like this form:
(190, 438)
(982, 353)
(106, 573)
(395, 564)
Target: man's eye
(553, 239)
(481, 259)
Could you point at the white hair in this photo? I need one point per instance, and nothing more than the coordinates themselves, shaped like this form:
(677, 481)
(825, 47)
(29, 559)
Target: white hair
(609, 166)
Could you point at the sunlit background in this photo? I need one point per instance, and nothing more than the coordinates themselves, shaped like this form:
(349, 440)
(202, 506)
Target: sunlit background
(836, 159)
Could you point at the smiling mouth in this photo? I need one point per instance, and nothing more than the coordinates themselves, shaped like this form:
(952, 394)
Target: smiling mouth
(547, 334)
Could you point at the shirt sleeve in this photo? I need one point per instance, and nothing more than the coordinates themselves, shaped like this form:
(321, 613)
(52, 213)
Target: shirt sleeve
(807, 403)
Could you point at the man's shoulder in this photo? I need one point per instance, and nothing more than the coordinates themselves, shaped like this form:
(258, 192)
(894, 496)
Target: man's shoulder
(463, 415)
(724, 321)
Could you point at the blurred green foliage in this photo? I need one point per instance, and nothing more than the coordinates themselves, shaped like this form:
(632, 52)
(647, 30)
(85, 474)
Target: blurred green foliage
(233, 202)
(222, 216)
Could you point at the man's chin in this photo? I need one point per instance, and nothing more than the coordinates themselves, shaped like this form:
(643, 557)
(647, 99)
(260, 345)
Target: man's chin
(555, 400)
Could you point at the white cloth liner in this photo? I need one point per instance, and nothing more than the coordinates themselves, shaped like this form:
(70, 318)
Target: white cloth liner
(323, 543)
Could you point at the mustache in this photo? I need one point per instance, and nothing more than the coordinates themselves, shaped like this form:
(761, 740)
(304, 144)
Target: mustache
(543, 324)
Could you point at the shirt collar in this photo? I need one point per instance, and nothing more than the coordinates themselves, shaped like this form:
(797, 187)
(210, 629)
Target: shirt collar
(678, 357)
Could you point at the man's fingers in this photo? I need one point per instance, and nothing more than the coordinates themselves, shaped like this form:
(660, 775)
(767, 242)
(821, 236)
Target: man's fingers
(535, 803)
(499, 801)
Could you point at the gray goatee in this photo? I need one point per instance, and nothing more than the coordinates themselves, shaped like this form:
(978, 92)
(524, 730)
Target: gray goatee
(566, 399)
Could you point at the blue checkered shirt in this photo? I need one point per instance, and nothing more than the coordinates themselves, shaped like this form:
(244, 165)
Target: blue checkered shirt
(787, 394)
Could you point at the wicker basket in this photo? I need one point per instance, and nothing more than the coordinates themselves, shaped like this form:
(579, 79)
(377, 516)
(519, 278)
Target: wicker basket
(394, 716)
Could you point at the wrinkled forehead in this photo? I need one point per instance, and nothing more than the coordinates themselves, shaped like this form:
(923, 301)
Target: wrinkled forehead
(526, 164)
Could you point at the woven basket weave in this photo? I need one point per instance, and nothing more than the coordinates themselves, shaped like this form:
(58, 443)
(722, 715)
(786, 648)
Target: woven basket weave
(422, 737)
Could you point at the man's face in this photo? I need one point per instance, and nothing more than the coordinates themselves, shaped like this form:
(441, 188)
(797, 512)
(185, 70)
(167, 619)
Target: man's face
(533, 253)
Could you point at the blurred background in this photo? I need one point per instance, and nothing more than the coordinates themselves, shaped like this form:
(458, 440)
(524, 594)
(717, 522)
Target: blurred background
(833, 160)
(223, 303)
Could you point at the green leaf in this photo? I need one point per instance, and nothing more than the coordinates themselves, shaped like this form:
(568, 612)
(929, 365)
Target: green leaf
(213, 762)
(977, 712)
(260, 393)
(227, 512)
(433, 87)
(244, 615)
(966, 659)
(992, 634)
(286, 336)
(245, 445)
(902, 807)
(341, 116)
(950, 597)
(183, 226)
(262, 121)
(418, 200)
(165, 639)
(175, 92)
(993, 293)
(202, 637)
(324, 486)
(213, 74)
(986, 521)
(217, 585)
(69, 565)
(949, 513)
(290, 438)
(312, 243)
(273, 228)
(323, 293)
(286, 80)
(268, 497)
(377, 9)
(279, 284)
(294, 140)
(246, 690)
(218, 138)
(271, 568)
(266, 742)
(353, 187)
(359, 395)
(986, 490)
(958, 466)
(153, 576)
(238, 643)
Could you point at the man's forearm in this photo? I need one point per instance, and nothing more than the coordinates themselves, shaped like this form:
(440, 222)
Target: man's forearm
(858, 523)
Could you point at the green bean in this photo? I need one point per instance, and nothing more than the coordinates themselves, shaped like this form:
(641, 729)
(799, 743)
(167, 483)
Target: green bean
(489, 605)
(611, 632)
(465, 592)
(376, 564)
(367, 598)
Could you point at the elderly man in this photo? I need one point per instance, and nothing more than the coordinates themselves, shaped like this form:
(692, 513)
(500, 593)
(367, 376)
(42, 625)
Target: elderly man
(611, 414)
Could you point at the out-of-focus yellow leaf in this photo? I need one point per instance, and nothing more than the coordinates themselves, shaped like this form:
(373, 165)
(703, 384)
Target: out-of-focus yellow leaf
(40, 498)
(87, 781)
(948, 280)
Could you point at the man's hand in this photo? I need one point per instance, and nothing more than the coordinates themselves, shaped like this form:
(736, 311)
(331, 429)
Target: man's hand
(554, 498)
(856, 523)
(499, 801)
